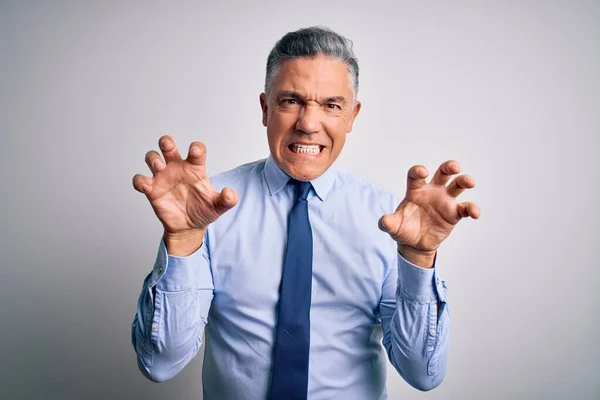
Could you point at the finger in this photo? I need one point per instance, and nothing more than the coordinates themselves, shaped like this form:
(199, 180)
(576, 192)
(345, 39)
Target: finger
(460, 184)
(416, 177)
(468, 209)
(155, 162)
(169, 149)
(197, 153)
(444, 172)
(390, 223)
(142, 184)
(227, 199)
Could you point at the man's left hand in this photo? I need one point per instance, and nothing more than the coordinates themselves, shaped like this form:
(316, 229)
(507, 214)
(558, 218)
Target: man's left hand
(429, 212)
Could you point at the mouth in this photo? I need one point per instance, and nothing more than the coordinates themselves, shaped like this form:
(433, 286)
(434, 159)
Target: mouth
(306, 149)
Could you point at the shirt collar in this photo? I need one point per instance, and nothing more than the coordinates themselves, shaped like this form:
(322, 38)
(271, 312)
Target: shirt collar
(277, 178)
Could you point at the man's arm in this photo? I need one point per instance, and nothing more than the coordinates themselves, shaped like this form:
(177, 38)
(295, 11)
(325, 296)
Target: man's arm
(416, 323)
(413, 307)
(172, 313)
(176, 297)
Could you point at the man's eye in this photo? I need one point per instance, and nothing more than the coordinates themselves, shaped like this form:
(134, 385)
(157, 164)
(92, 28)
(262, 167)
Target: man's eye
(289, 101)
(334, 106)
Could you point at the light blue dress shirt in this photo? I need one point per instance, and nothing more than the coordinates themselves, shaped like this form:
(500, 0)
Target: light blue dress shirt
(364, 294)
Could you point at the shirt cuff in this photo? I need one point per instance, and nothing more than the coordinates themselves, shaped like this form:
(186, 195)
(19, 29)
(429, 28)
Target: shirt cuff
(173, 273)
(420, 284)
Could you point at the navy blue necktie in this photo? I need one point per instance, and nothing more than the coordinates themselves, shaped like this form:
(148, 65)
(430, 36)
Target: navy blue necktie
(292, 342)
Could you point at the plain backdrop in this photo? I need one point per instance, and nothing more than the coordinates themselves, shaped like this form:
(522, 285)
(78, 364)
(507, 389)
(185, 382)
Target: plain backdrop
(510, 89)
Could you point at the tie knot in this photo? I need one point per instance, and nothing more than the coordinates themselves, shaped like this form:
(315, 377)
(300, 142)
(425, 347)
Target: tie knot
(302, 189)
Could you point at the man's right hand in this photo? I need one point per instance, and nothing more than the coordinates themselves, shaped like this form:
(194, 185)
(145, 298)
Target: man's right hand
(182, 196)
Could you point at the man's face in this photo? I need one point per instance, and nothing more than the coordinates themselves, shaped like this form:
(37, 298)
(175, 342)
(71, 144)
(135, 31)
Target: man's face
(308, 112)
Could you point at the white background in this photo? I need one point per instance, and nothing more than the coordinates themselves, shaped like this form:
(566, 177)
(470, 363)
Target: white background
(510, 89)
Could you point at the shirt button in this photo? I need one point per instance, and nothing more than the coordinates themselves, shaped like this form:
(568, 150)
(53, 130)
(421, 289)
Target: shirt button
(160, 270)
(437, 280)
(155, 326)
(432, 332)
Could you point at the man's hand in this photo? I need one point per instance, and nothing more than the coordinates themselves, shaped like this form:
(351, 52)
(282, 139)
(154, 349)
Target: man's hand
(182, 196)
(429, 212)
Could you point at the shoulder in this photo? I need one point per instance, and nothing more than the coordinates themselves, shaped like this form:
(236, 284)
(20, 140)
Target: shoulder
(239, 176)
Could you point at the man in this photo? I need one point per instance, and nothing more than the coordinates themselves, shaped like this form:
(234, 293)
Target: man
(284, 264)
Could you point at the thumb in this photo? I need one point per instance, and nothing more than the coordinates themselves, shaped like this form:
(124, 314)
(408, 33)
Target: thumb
(227, 199)
(390, 223)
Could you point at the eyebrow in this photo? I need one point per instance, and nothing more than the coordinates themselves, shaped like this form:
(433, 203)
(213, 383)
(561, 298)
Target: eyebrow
(298, 96)
(334, 99)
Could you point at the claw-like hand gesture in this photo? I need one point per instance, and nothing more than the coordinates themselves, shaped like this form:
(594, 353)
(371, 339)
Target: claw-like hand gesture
(181, 194)
(429, 212)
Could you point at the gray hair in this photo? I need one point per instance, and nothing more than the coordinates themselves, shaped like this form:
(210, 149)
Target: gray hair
(308, 43)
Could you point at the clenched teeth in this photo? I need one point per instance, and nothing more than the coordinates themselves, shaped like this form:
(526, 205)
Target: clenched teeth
(305, 149)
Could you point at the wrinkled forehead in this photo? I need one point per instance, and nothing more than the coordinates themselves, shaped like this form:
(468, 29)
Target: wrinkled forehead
(321, 76)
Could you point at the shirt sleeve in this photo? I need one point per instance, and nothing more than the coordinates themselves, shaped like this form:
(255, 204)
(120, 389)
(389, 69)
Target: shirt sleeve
(172, 312)
(415, 322)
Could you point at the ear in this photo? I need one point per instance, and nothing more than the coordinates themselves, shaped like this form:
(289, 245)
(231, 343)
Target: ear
(355, 111)
(263, 106)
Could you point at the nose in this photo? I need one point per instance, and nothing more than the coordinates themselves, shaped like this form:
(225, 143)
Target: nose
(309, 119)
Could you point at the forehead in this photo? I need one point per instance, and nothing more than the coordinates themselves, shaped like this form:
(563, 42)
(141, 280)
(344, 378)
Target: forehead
(319, 75)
